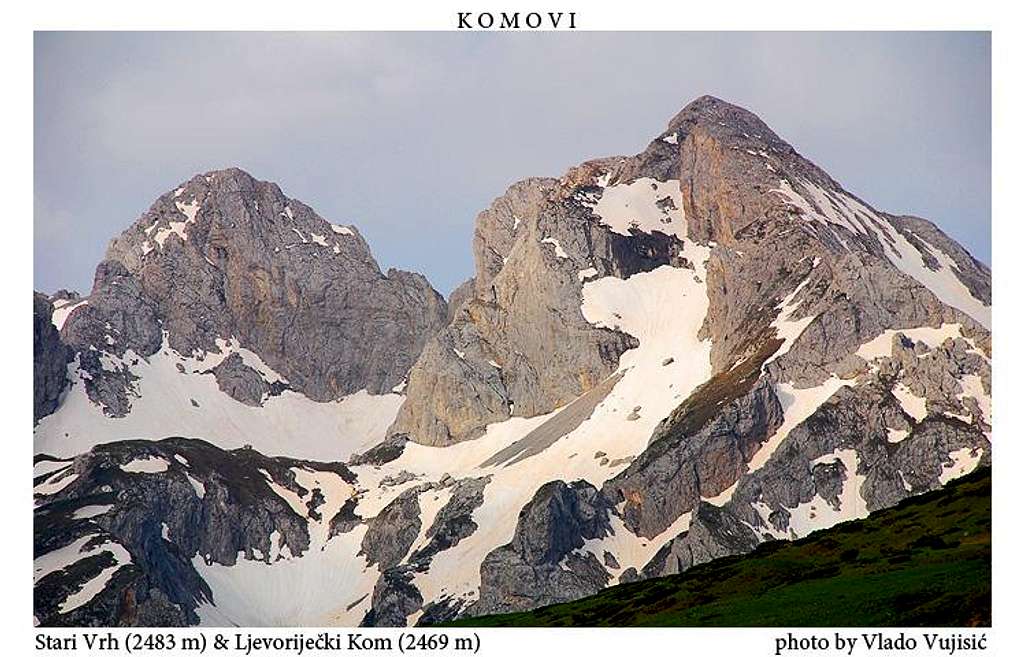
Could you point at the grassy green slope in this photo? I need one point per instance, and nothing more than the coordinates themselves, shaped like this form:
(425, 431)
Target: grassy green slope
(926, 562)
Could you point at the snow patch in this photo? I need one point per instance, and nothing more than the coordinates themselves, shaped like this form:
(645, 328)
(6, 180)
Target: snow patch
(896, 435)
(933, 337)
(197, 486)
(818, 513)
(964, 461)
(798, 404)
(334, 582)
(916, 407)
(646, 205)
(148, 465)
(62, 557)
(329, 431)
(431, 502)
(629, 549)
(91, 511)
(46, 467)
(972, 386)
(55, 484)
(724, 497)
(559, 251)
(179, 228)
(96, 585)
(63, 311)
(787, 328)
(288, 495)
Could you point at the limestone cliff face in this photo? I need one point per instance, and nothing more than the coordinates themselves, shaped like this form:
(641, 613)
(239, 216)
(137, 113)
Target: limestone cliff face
(518, 345)
(227, 256)
(751, 194)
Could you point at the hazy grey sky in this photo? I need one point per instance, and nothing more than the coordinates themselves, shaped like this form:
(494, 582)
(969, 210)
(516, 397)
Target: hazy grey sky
(409, 135)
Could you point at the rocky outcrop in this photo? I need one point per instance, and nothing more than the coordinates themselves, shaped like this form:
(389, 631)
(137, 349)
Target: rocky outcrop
(50, 358)
(698, 452)
(242, 382)
(464, 292)
(227, 256)
(540, 565)
(390, 535)
(382, 453)
(454, 521)
(713, 533)
(394, 599)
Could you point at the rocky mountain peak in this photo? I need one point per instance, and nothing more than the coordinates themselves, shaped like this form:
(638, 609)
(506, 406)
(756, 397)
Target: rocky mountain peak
(223, 212)
(718, 179)
(722, 118)
(226, 258)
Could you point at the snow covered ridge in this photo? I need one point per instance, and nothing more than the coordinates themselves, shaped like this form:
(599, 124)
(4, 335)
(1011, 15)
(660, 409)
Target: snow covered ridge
(840, 210)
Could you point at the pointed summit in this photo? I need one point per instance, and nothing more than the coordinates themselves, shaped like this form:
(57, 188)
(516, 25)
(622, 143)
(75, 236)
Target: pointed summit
(715, 114)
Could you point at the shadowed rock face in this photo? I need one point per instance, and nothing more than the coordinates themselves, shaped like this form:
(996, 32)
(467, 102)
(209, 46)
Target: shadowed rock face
(50, 358)
(685, 463)
(226, 256)
(200, 501)
(243, 383)
(390, 535)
